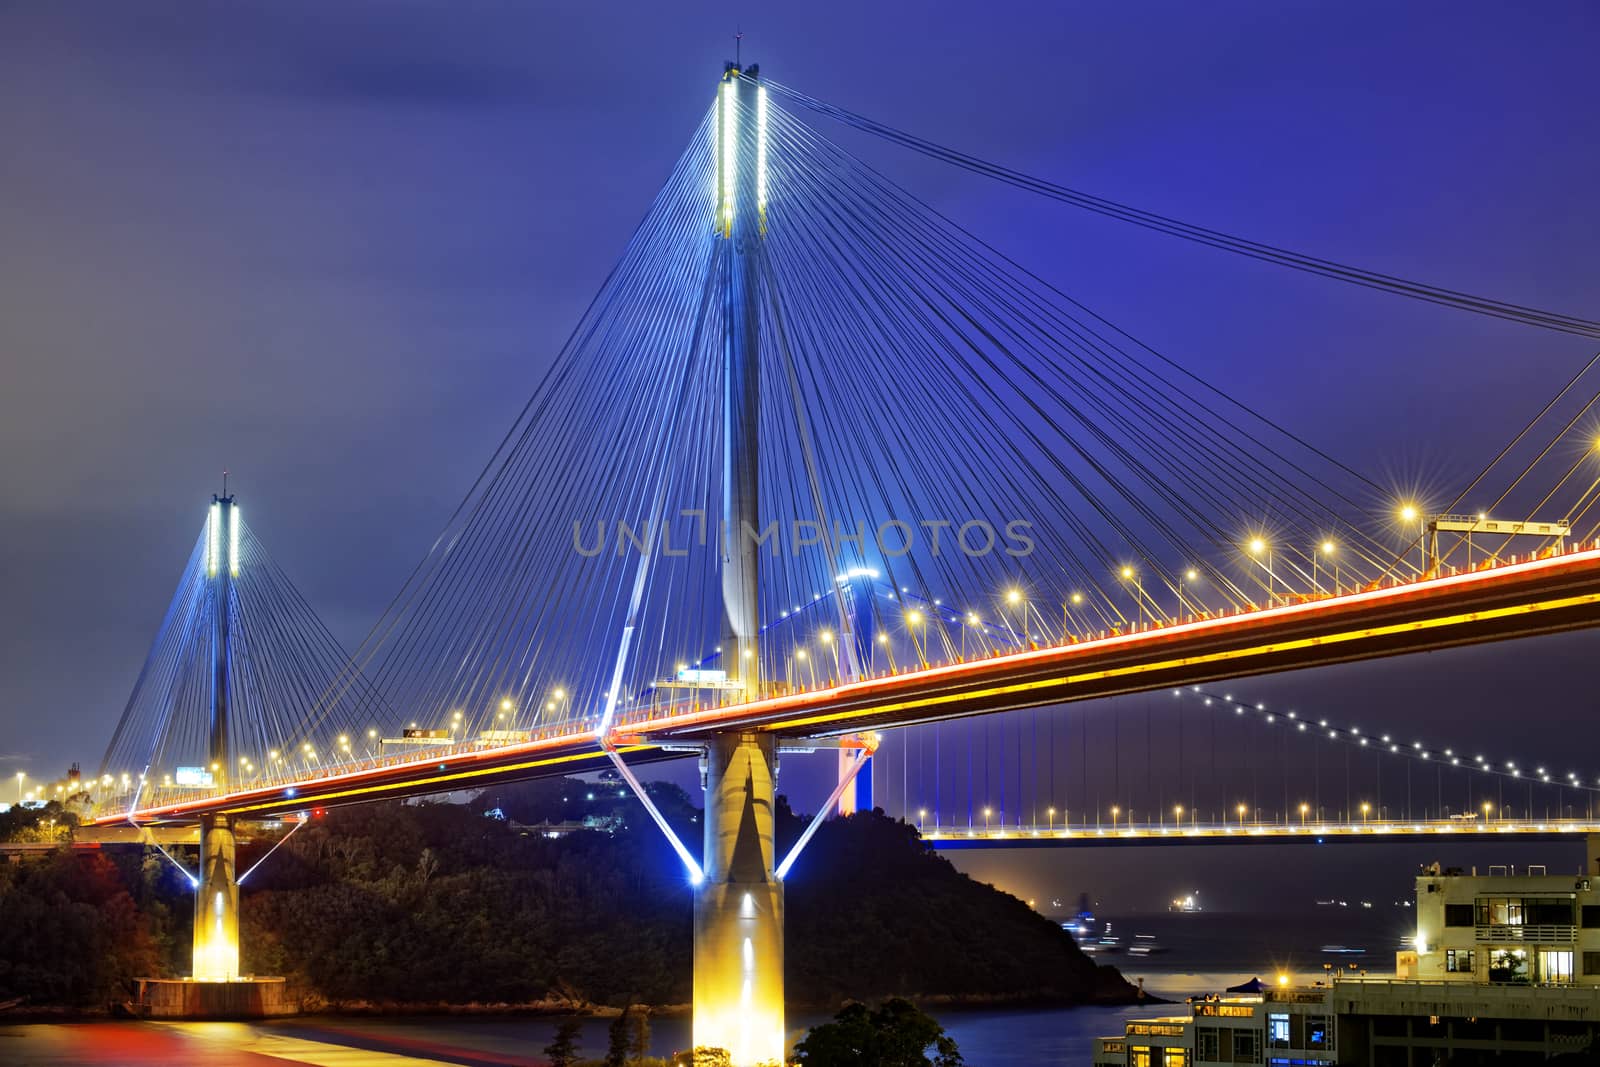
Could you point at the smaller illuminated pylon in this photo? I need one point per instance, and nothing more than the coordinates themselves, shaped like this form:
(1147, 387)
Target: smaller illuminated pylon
(216, 904)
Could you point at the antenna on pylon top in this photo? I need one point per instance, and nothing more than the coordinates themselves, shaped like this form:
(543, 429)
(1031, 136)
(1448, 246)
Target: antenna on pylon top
(738, 42)
(224, 484)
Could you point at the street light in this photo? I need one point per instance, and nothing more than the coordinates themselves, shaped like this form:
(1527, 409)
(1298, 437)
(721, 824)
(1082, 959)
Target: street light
(1015, 598)
(913, 620)
(1191, 576)
(1409, 513)
(1305, 809)
(20, 776)
(1241, 810)
(1258, 545)
(1115, 811)
(1325, 550)
(1365, 810)
(986, 813)
(1177, 812)
(922, 813)
(1052, 813)
(1131, 575)
(1487, 808)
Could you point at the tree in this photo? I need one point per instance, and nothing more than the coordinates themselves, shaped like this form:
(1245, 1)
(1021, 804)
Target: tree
(639, 1035)
(894, 1034)
(563, 1051)
(618, 1045)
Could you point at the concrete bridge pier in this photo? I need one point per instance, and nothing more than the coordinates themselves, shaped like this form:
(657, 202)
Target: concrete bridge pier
(738, 918)
(216, 903)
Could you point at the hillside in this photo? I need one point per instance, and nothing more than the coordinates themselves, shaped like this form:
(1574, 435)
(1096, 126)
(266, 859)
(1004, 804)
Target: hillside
(452, 904)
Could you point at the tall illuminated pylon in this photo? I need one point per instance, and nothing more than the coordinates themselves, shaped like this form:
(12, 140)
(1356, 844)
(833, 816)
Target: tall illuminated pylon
(216, 905)
(738, 922)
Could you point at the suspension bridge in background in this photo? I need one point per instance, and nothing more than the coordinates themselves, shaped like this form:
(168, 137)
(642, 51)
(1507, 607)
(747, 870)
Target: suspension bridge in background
(818, 464)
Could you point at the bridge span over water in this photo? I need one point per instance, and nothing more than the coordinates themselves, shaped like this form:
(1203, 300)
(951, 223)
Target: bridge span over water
(801, 355)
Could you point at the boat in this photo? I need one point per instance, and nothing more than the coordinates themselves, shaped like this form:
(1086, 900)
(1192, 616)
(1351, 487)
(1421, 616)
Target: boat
(1106, 944)
(1187, 904)
(1081, 925)
(1145, 945)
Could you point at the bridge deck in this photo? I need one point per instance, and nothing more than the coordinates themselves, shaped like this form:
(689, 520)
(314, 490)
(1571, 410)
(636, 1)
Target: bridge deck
(1444, 831)
(1518, 599)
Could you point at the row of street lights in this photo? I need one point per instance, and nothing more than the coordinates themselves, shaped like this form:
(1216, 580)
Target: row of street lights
(1240, 811)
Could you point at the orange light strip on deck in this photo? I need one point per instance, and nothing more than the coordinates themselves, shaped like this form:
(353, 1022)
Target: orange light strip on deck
(635, 732)
(1190, 661)
(322, 798)
(273, 795)
(798, 701)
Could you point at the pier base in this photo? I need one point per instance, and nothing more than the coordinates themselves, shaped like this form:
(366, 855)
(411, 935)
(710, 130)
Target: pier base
(185, 998)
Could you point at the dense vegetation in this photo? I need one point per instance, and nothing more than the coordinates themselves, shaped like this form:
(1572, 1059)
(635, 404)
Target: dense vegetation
(894, 1034)
(447, 903)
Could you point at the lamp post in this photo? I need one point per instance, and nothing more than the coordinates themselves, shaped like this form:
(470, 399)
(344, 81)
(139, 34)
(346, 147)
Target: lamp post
(20, 776)
(1051, 812)
(1305, 809)
(1191, 576)
(1015, 598)
(1410, 513)
(1366, 809)
(913, 620)
(986, 813)
(922, 814)
(1115, 811)
(1177, 813)
(1240, 810)
(1258, 545)
(1131, 575)
(1325, 550)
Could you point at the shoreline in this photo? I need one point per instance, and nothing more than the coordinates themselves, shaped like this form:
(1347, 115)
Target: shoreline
(546, 1008)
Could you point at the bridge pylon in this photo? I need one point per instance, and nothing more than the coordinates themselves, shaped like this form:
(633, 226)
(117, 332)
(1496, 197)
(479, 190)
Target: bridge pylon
(216, 902)
(738, 919)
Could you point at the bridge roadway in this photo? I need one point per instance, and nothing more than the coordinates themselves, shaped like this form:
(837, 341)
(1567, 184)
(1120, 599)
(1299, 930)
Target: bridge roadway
(1312, 833)
(1518, 598)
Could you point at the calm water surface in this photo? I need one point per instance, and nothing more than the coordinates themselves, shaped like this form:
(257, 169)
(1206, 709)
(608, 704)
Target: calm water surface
(1204, 953)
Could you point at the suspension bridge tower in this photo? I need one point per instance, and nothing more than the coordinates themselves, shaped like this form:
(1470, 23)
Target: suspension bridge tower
(216, 903)
(738, 923)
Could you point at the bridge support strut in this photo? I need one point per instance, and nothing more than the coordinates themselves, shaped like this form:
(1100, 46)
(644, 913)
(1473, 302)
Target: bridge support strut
(738, 917)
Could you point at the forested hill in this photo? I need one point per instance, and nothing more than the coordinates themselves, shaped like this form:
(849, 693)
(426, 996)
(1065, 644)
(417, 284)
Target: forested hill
(448, 903)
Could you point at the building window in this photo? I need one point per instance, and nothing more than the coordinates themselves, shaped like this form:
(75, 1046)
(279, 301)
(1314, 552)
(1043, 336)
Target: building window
(1555, 966)
(1591, 963)
(1246, 1046)
(1174, 1057)
(1547, 912)
(1208, 1046)
(1591, 914)
(1277, 1030)
(1499, 911)
(1318, 1034)
(1460, 960)
(1139, 1056)
(1458, 914)
(1509, 965)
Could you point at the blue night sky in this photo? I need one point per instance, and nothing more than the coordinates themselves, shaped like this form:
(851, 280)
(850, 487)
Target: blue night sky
(332, 247)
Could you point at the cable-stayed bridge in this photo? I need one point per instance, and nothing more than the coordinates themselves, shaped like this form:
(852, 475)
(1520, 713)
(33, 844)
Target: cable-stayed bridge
(816, 463)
